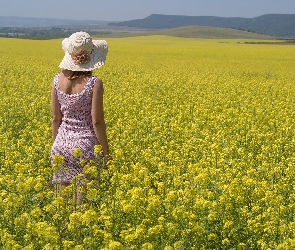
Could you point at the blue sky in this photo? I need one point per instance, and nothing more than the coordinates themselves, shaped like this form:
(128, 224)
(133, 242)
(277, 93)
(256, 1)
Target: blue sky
(122, 10)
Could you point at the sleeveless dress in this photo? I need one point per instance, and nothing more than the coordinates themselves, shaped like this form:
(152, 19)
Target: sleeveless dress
(76, 131)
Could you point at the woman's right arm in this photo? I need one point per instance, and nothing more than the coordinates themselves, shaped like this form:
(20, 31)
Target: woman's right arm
(97, 114)
(55, 113)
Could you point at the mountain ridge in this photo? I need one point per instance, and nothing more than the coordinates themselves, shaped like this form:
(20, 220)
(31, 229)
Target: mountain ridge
(280, 25)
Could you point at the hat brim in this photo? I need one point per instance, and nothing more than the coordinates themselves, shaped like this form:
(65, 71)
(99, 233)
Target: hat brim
(97, 58)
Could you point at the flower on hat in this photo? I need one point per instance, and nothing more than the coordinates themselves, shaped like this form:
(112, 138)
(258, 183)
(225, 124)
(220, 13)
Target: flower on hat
(81, 57)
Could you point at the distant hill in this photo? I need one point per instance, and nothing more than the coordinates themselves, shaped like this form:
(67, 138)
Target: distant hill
(11, 21)
(279, 25)
(211, 32)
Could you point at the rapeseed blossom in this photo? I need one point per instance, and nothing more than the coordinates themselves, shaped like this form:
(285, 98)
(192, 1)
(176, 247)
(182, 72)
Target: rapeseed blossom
(202, 135)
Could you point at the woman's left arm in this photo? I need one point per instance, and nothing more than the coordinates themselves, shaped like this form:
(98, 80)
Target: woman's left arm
(55, 113)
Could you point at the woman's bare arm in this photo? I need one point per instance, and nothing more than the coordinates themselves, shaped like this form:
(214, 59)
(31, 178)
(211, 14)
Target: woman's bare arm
(55, 112)
(98, 116)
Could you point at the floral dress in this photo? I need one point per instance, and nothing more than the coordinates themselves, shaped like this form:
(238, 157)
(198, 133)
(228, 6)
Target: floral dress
(75, 131)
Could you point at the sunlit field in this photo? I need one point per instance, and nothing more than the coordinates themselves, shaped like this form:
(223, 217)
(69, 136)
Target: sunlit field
(202, 134)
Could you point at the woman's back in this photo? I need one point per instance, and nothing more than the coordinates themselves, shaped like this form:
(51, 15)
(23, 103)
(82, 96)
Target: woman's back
(74, 86)
(75, 100)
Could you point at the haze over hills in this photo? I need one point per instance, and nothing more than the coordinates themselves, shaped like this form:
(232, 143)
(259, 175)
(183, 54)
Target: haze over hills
(270, 26)
(280, 25)
(12, 21)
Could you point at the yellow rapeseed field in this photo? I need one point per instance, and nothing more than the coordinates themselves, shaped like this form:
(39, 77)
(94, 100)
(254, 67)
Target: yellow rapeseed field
(202, 134)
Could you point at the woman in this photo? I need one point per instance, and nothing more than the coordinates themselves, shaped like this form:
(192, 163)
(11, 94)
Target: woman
(77, 106)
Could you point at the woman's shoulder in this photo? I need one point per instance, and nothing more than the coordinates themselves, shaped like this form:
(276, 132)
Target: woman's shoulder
(97, 85)
(96, 80)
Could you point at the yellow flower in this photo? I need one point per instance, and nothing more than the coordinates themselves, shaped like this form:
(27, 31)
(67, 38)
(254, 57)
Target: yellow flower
(156, 230)
(147, 246)
(225, 241)
(58, 161)
(178, 244)
(77, 153)
(212, 236)
(98, 150)
(91, 170)
(78, 247)
(115, 245)
(119, 154)
(90, 216)
(67, 244)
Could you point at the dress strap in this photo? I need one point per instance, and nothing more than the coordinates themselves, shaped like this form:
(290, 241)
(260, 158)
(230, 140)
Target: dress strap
(90, 83)
(55, 82)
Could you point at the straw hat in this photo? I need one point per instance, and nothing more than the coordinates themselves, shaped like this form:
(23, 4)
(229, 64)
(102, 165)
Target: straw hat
(82, 53)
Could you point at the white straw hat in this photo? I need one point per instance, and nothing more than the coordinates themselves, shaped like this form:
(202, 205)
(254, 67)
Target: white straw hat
(82, 53)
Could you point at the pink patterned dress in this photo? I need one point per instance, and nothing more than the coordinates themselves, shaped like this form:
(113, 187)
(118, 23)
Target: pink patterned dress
(75, 131)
